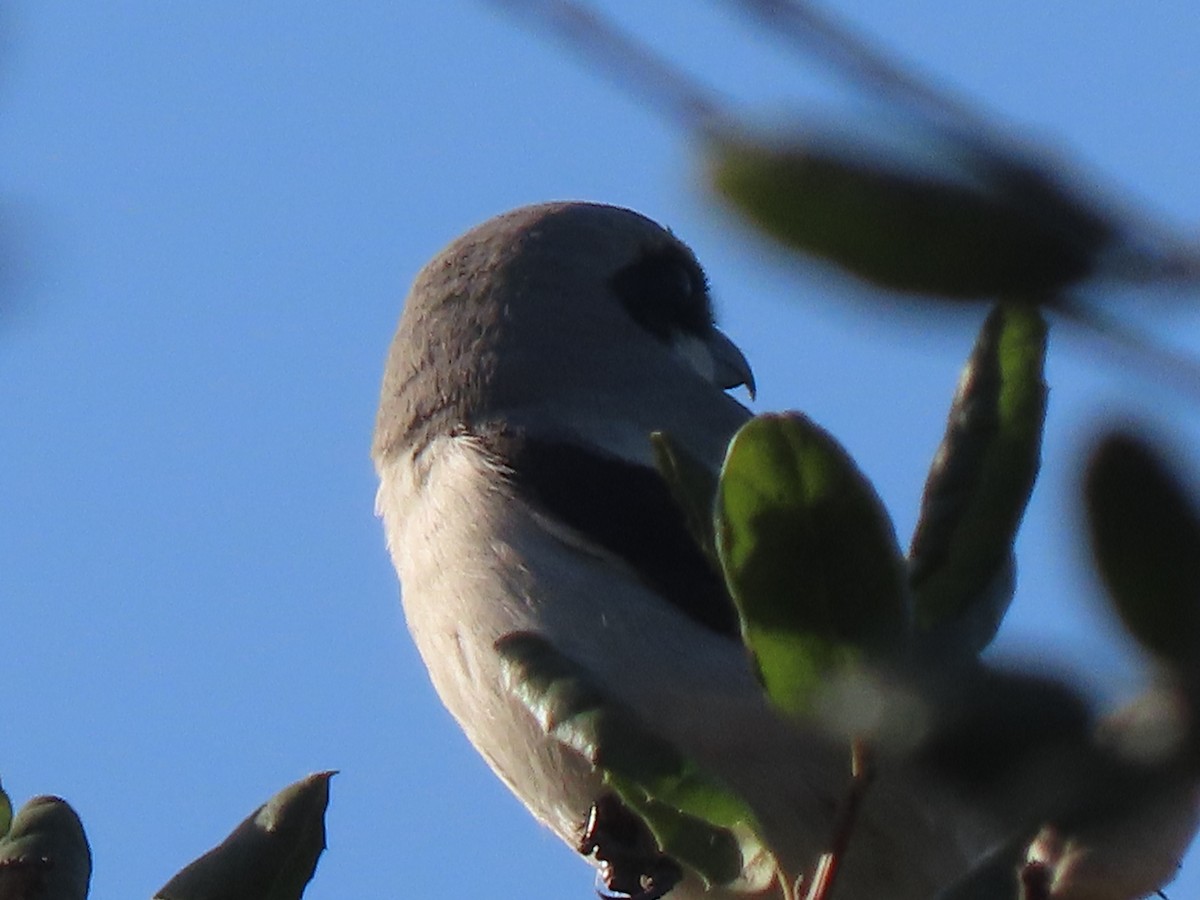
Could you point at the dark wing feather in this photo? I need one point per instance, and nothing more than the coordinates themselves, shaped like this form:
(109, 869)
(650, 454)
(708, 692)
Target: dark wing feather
(623, 507)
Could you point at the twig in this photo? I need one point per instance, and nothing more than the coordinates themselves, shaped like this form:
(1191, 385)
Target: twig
(862, 773)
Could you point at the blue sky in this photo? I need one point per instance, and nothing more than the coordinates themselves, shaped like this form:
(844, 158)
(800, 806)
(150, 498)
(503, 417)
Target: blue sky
(218, 208)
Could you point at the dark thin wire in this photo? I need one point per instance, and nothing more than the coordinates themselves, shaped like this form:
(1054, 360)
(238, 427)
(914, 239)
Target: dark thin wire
(625, 58)
(812, 33)
(1169, 367)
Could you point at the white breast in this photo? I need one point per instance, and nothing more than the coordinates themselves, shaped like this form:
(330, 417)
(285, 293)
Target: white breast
(475, 564)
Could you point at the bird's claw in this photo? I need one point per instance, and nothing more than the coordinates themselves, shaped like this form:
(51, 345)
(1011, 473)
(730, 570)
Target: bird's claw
(631, 865)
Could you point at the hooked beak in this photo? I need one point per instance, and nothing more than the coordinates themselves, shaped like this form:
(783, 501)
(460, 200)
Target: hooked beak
(730, 367)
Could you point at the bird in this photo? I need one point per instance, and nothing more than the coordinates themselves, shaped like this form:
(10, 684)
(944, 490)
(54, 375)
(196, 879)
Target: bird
(534, 357)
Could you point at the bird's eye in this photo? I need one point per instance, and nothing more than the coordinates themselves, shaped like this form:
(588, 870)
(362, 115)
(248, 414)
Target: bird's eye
(665, 292)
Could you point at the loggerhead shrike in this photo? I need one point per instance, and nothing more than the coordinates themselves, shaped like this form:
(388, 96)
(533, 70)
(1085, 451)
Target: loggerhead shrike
(534, 357)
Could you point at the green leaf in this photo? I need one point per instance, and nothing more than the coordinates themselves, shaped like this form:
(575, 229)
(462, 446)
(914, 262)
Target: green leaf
(694, 817)
(994, 876)
(809, 555)
(6, 812)
(1145, 539)
(979, 484)
(45, 854)
(962, 224)
(693, 486)
(271, 855)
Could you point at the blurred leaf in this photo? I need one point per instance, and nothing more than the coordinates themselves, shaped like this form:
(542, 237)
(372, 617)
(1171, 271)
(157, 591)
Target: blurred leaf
(960, 563)
(23, 233)
(1004, 734)
(45, 855)
(271, 855)
(1145, 539)
(965, 224)
(1015, 745)
(1022, 749)
(809, 555)
(994, 876)
(693, 486)
(693, 816)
